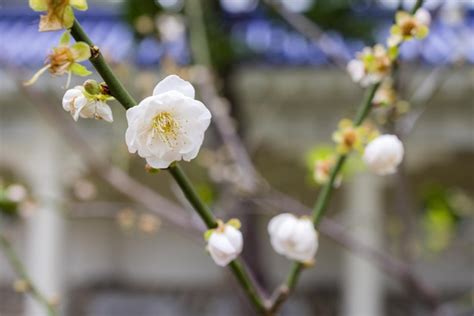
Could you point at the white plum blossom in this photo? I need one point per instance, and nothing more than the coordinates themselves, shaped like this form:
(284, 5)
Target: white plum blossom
(81, 104)
(296, 238)
(225, 243)
(168, 126)
(384, 154)
(408, 26)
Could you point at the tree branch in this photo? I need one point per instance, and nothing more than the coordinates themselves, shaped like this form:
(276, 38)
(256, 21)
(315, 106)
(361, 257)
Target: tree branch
(21, 272)
(119, 92)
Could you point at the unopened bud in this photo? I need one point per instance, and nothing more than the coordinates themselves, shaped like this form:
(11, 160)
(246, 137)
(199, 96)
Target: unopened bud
(21, 286)
(92, 87)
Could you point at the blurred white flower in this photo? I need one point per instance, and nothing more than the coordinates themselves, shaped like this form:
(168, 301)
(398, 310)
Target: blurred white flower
(225, 243)
(356, 69)
(171, 27)
(168, 126)
(84, 189)
(384, 154)
(371, 65)
(295, 238)
(80, 104)
(16, 193)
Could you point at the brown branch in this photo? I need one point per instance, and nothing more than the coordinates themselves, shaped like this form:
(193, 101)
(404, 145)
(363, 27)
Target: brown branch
(312, 32)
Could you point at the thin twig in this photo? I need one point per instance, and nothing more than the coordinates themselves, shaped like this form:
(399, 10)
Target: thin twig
(312, 32)
(325, 193)
(21, 272)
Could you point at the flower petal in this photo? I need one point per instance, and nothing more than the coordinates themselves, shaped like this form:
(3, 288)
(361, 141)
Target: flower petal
(79, 70)
(175, 83)
(79, 4)
(81, 51)
(68, 17)
(38, 5)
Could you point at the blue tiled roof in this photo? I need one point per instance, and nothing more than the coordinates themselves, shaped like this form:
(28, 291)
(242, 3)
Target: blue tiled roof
(270, 41)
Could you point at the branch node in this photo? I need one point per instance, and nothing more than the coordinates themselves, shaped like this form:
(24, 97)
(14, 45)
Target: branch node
(95, 52)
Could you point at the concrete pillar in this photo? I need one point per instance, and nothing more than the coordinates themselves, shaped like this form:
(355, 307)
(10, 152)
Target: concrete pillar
(45, 228)
(362, 282)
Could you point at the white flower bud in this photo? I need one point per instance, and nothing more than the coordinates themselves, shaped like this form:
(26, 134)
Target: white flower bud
(423, 16)
(225, 244)
(384, 154)
(16, 193)
(293, 237)
(79, 104)
(356, 69)
(168, 126)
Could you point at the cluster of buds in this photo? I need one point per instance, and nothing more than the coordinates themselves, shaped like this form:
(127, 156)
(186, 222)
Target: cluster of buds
(385, 95)
(59, 13)
(349, 137)
(387, 105)
(409, 26)
(371, 65)
(64, 59)
(89, 101)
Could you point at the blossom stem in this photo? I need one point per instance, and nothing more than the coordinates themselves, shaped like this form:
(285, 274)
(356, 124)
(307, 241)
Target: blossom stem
(21, 272)
(121, 94)
(192, 196)
(117, 90)
(326, 192)
(205, 213)
(417, 5)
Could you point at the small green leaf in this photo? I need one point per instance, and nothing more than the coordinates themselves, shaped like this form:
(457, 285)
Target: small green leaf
(208, 234)
(39, 5)
(81, 51)
(393, 52)
(65, 39)
(79, 4)
(422, 32)
(68, 17)
(395, 30)
(79, 70)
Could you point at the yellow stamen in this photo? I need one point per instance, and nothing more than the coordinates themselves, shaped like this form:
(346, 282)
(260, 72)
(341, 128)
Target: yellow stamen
(166, 127)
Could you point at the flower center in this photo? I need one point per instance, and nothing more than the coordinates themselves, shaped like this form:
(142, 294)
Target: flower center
(408, 27)
(60, 59)
(165, 126)
(350, 137)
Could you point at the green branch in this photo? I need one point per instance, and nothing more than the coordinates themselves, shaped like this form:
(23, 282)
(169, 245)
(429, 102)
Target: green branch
(122, 95)
(117, 90)
(326, 192)
(21, 273)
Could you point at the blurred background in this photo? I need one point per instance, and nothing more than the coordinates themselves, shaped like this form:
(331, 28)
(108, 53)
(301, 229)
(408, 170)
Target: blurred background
(86, 218)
